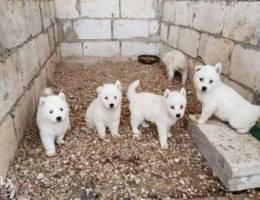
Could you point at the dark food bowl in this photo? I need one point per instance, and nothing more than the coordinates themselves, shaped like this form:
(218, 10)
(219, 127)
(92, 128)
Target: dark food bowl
(148, 59)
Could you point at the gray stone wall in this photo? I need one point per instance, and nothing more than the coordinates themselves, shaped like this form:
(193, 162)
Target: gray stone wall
(108, 28)
(28, 57)
(217, 31)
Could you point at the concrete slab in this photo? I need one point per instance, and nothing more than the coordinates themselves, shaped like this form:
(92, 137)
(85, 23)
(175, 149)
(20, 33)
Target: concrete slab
(234, 158)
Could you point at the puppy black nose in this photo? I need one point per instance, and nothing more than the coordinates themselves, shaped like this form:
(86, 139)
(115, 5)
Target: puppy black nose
(204, 88)
(111, 105)
(178, 115)
(58, 119)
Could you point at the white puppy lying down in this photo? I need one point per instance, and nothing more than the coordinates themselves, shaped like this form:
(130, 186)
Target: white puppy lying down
(222, 101)
(164, 111)
(105, 110)
(176, 61)
(52, 120)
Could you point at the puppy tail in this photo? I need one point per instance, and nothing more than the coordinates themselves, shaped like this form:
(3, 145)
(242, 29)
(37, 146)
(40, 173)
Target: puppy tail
(131, 90)
(47, 92)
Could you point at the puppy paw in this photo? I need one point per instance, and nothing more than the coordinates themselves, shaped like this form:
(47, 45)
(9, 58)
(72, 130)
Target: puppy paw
(164, 146)
(193, 117)
(243, 131)
(145, 125)
(169, 134)
(61, 142)
(50, 153)
(137, 136)
(102, 136)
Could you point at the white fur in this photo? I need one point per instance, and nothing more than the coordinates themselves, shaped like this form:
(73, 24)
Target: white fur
(223, 101)
(52, 120)
(100, 115)
(156, 109)
(176, 61)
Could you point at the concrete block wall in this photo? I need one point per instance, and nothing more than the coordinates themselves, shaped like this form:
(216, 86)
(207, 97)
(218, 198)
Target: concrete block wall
(28, 57)
(217, 31)
(108, 28)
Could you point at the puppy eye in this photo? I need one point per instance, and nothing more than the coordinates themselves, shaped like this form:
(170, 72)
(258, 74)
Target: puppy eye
(51, 111)
(181, 106)
(201, 79)
(106, 98)
(115, 97)
(61, 109)
(211, 81)
(172, 107)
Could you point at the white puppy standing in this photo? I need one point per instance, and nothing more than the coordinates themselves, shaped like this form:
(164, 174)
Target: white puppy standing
(222, 101)
(176, 61)
(105, 110)
(164, 111)
(52, 120)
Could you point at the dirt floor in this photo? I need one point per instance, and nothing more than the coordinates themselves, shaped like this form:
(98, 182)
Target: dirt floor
(89, 168)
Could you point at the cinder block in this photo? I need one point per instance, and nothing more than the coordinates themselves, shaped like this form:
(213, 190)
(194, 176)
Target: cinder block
(154, 27)
(92, 29)
(164, 32)
(45, 12)
(43, 47)
(192, 63)
(124, 29)
(242, 22)
(188, 41)
(10, 84)
(173, 36)
(168, 13)
(245, 66)
(52, 11)
(139, 9)
(71, 49)
(208, 16)
(136, 48)
(184, 13)
(100, 8)
(213, 50)
(29, 61)
(56, 34)
(33, 17)
(13, 24)
(8, 145)
(51, 67)
(24, 114)
(39, 84)
(102, 49)
(51, 38)
(234, 158)
(67, 9)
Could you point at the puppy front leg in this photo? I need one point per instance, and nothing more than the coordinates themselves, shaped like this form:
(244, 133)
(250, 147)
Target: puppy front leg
(207, 111)
(171, 73)
(60, 139)
(49, 145)
(114, 129)
(184, 76)
(163, 135)
(101, 129)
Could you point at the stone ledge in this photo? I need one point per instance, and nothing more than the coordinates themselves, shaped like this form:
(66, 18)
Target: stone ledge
(234, 158)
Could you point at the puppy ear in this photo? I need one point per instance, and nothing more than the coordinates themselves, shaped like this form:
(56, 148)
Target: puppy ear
(166, 93)
(62, 96)
(118, 84)
(218, 68)
(183, 92)
(42, 101)
(198, 67)
(99, 89)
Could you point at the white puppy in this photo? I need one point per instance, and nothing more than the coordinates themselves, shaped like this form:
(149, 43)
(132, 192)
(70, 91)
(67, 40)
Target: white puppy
(164, 111)
(105, 110)
(52, 120)
(222, 101)
(176, 61)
